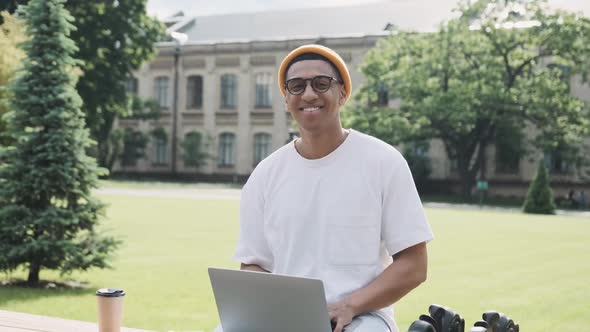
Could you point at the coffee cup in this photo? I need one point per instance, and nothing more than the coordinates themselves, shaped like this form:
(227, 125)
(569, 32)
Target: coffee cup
(110, 309)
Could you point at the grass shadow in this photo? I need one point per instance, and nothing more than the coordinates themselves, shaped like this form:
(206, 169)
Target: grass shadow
(17, 290)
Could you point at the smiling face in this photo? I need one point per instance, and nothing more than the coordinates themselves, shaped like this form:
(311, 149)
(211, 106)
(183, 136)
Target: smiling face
(315, 112)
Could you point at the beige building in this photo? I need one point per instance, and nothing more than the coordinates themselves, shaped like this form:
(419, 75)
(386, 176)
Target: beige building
(227, 99)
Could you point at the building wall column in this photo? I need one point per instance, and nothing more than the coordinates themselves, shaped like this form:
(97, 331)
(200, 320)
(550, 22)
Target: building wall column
(243, 139)
(210, 86)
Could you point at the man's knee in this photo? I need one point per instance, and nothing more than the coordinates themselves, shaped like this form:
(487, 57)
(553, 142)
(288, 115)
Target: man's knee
(367, 323)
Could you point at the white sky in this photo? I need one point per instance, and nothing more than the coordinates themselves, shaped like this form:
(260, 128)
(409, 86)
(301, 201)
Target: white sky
(163, 8)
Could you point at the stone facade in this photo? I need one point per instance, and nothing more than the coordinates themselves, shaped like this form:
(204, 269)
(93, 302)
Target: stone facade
(246, 119)
(254, 122)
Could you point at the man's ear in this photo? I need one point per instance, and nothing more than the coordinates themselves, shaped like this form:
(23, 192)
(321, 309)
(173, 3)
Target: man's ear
(342, 98)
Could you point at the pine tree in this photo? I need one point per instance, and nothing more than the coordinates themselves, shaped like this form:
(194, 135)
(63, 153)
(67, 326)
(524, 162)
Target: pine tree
(47, 213)
(540, 196)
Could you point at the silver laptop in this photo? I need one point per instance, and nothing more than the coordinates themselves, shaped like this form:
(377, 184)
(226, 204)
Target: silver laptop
(264, 302)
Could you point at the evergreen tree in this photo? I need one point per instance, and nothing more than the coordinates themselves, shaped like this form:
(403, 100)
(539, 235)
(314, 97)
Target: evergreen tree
(47, 214)
(540, 196)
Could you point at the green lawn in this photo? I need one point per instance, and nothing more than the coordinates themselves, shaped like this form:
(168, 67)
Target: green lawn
(534, 268)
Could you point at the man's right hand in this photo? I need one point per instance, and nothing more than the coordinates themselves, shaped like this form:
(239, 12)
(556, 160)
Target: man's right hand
(252, 267)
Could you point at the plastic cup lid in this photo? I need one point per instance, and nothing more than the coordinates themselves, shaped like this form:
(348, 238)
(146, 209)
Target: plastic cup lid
(110, 292)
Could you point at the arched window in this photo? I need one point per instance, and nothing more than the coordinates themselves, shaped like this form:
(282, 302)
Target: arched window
(226, 156)
(262, 145)
(132, 85)
(160, 146)
(263, 90)
(161, 91)
(229, 90)
(134, 143)
(194, 92)
(194, 154)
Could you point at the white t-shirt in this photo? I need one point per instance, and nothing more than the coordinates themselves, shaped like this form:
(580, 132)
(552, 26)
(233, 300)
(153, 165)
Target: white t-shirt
(339, 218)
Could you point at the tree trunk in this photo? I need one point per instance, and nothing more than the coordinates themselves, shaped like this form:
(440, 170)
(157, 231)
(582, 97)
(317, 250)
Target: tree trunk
(467, 182)
(34, 270)
(102, 137)
(482, 161)
(103, 146)
(466, 177)
(113, 157)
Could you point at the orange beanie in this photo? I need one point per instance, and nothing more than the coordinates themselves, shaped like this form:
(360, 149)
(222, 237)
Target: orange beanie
(323, 51)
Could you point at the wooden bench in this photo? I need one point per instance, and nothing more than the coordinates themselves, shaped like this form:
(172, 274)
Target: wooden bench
(11, 321)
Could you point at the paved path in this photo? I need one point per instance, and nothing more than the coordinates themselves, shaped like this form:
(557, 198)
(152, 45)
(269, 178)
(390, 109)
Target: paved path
(498, 208)
(229, 194)
(234, 194)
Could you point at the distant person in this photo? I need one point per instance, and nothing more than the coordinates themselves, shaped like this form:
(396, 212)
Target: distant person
(334, 204)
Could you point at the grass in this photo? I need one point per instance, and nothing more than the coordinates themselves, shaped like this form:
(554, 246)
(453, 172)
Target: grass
(534, 268)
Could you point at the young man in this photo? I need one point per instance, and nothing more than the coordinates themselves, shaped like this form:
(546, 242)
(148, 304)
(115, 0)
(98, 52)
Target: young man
(335, 204)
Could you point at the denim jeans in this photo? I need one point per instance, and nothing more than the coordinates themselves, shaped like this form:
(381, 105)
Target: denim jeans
(362, 323)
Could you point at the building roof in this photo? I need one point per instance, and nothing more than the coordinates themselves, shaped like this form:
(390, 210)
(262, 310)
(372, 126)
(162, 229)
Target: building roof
(345, 21)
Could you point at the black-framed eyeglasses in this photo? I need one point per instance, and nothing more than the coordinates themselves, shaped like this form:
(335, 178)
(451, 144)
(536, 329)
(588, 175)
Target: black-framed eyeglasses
(320, 84)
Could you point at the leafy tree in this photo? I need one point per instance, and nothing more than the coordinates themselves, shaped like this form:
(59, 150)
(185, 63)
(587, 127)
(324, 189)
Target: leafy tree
(193, 146)
(114, 38)
(510, 147)
(11, 35)
(134, 144)
(416, 154)
(7, 6)
(47, 213)
(128, 145)
(488, 66)
(540, 197)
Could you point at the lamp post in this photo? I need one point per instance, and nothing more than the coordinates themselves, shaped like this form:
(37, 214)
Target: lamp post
(180, 39)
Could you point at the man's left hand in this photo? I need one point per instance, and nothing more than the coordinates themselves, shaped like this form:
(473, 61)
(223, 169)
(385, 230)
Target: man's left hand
(341, 313)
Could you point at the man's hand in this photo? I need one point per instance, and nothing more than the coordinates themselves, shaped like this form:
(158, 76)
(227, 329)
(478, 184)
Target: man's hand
(341, 313)
(252, 267)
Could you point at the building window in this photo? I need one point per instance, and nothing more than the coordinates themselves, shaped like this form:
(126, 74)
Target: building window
(262, 143)
(229, 91)
(134, 143)
(557, 163)
(263, 90)
(161, 91)
(507, 159)
(382, 95)
(226, 150)
(418, 148)
(418, 159)
(293, 135)
(193, 148)
(132, 85)
(160, 146)
(194, 92)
